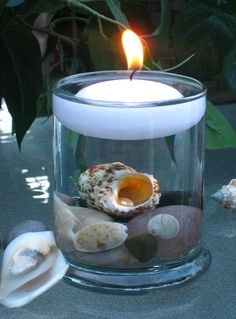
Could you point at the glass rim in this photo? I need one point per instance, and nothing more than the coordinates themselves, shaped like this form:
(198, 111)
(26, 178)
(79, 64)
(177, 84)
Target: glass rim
(89, 78)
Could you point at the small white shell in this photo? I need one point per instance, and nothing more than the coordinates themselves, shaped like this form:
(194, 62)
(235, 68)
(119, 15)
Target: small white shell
(70, 219)
(31, 265)
(163, 225)
(227, 195)
(100, 237)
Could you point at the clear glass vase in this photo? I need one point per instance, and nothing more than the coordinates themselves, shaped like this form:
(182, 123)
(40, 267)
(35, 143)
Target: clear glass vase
(128, 191)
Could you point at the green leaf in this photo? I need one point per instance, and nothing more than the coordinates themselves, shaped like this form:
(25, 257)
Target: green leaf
(232, 5)
(164, 27)
(138, 16)
(20, 76)
(106, 53)
(72, 139)
(84, 58)
(99, 6)
(40, 6)
(209, 32)
(2, 5)
(148, 59)
(76, 175)
(219, 133)
(44, 102)
(115, 8)
(170, 140)
(14, 3)
(48, 6)
(230, 69)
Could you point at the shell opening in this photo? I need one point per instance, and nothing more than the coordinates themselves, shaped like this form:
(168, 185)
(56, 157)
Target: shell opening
(25, 261)
(133, 190)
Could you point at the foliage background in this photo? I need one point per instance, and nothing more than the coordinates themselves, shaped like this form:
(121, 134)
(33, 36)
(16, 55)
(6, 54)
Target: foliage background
(44, 40)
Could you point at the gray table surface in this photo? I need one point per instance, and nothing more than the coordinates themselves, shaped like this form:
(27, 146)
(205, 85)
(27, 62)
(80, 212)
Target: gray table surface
(26, 189)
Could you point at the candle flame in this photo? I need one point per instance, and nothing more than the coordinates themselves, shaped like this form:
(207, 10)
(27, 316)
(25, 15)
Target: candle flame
(133, 50)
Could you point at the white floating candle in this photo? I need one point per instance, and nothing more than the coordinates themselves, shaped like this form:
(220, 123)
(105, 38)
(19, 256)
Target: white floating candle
(127, 110)
(123, 109)
(132, 91)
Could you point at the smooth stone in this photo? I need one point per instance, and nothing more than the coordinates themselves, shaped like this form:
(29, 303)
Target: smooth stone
(143, 247)
(189, 219)
(27, 226)
(117, 257)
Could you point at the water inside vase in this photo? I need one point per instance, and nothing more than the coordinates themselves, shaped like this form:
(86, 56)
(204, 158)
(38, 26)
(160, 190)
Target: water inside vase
(165, 233)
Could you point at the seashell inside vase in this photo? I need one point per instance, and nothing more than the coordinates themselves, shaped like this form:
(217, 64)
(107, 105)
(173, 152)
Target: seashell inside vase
(31, 264)
(118, 189)
(227, 195)
(71, 219)
(176, 233)
(101, 236)
(163, 225)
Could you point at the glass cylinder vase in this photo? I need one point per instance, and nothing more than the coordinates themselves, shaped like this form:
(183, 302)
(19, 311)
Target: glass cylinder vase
(128, 172)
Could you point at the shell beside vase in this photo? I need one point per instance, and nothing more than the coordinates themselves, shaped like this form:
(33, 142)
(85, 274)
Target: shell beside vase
(226, 196)
(31, 264)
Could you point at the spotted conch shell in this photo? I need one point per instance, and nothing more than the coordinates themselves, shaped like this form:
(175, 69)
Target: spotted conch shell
(69, 220)
(118, 189)
(31, 264)
(227, 195)
(100, 237)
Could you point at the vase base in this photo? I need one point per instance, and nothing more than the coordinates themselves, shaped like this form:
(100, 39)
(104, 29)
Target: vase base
(139, 282)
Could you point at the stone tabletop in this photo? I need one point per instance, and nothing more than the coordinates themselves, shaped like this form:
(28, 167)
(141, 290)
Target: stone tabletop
(26, 189)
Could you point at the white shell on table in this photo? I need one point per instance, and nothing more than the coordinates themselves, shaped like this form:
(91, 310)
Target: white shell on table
(163, 225)
(118, 189)
(101, 236)
(227, 195)
(31, 264)
(71, 219)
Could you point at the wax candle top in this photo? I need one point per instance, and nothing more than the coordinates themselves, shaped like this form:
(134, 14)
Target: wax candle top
(105, 110)
(125, 90)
